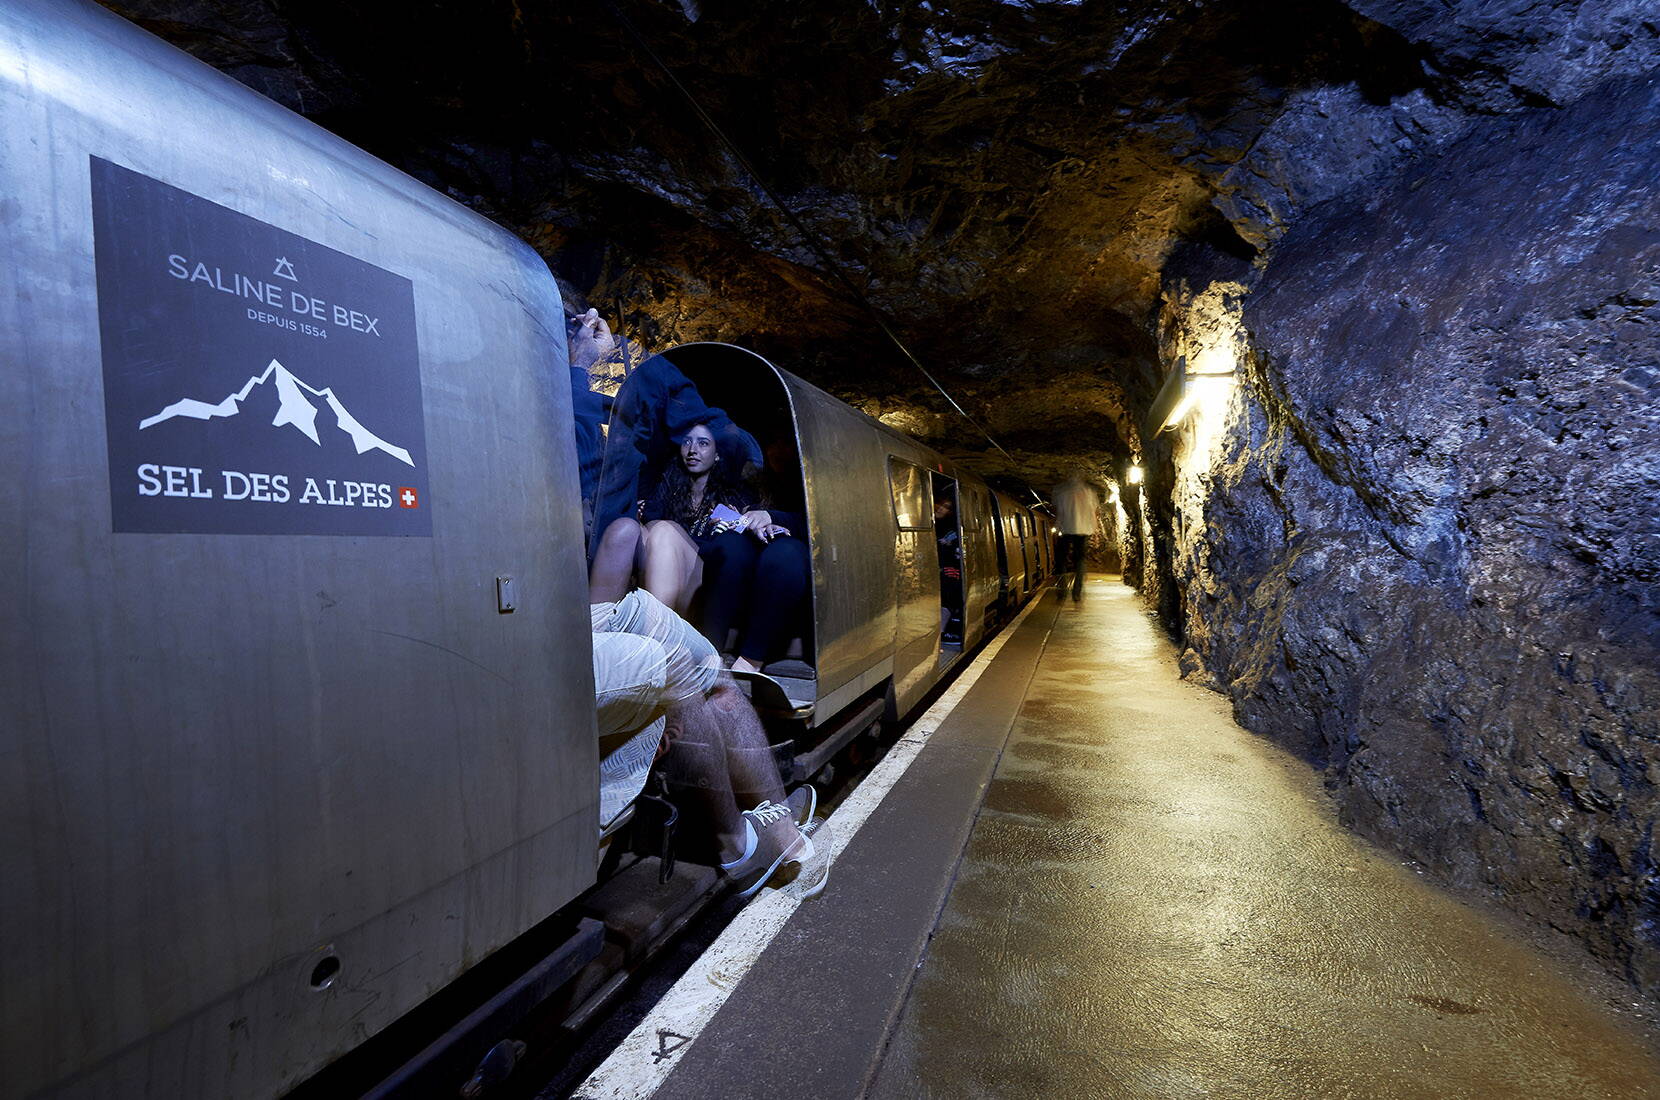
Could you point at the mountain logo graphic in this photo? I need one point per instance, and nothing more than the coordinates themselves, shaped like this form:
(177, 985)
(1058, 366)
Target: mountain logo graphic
(292, 409)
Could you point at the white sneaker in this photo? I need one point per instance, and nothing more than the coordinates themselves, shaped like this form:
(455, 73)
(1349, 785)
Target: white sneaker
(813, 869)
(771, 839)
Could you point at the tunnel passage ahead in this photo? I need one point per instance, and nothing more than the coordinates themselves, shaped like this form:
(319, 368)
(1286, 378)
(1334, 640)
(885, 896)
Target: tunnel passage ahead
(1155, 903)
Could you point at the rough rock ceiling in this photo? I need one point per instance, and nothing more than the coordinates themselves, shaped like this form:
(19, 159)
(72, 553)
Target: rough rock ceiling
(1006, 181)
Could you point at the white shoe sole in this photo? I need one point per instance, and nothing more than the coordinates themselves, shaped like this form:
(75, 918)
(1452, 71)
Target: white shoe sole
(817, 888)
(792, 852)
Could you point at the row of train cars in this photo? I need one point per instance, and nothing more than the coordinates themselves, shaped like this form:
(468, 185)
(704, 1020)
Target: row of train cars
(299, 733)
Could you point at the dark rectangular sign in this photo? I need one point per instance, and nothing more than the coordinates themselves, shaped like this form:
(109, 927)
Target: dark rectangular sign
(255, 382)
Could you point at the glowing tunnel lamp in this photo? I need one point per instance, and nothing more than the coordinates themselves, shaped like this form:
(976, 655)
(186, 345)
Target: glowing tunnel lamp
(1181, 391)
(1173, 400)
(1190, 397)
(1135, 475)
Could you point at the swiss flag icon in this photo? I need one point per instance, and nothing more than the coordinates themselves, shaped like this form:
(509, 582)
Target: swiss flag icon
(408, 497)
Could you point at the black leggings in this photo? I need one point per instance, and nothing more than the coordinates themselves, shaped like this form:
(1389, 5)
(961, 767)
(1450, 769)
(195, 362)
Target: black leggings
(1070, 558)
(758, 587)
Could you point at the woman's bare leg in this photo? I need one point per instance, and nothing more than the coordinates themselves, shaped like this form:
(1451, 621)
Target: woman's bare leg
(615, 560)
(672, 571)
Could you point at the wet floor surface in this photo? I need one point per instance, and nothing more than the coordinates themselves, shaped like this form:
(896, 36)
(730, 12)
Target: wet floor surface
(1156, 903)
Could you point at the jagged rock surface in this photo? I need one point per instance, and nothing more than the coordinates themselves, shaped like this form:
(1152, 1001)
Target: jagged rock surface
(1434, 549)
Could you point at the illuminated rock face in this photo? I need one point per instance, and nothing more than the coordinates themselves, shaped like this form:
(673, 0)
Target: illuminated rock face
(1436, 558)
(1412, 535)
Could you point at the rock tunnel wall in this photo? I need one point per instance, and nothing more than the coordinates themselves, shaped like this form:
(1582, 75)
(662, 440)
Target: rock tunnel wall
(1414, 533)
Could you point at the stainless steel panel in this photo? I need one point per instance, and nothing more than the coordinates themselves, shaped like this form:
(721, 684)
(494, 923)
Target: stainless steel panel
(226, 757)
(917, 582)
(1023, 531)
(917, 588)
(845, 456)
(982, 580)
(1046, 544)
(913, 504)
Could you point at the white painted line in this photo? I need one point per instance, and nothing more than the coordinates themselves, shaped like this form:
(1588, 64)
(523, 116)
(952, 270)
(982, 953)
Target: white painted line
(644, 1059)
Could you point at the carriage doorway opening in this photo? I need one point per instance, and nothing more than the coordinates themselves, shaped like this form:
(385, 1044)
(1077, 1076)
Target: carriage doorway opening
(772, 625)
(948, 541)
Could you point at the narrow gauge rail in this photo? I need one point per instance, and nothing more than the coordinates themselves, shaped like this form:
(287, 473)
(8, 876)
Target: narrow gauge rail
(299, 733)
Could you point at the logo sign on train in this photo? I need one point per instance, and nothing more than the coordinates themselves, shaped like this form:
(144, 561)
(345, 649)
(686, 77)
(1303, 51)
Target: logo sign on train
(255, 382)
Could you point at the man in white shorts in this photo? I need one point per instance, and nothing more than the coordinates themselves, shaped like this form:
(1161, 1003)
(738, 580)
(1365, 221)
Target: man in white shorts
(655, 676)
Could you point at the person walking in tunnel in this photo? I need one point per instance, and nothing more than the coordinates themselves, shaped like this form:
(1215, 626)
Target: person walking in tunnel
(1076, 502)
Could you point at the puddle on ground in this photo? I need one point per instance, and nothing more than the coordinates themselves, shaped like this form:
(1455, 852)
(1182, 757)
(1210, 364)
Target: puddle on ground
(1058, 755)
(1035, 797)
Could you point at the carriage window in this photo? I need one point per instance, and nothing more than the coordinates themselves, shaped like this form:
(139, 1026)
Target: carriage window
(911, 507)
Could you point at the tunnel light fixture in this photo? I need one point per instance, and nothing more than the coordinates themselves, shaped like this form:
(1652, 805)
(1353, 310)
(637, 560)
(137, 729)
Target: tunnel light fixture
(1168, 406)
(1134, 475)
(1184, 388)
(1189, 398)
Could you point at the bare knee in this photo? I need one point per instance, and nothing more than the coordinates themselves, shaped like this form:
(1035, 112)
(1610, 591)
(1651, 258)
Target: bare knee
(666, 541)
(621, 532)
(661, 533)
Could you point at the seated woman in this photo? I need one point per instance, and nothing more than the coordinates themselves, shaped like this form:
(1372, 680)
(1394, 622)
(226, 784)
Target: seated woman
(703, 495)
(757, 577)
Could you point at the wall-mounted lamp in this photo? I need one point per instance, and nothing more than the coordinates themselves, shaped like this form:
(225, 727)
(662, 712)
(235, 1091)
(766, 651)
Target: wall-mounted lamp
(1190, 397)
(1134, 476)
(1182, 389)
(1172, 401)
(1216, 360)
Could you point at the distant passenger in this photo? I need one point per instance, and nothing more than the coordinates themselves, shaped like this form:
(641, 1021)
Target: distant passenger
(658, 688)
(757, 577)
(1075, 504)
(948, 537)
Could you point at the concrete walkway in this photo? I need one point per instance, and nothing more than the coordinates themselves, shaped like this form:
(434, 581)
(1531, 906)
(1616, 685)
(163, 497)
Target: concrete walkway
(1089, 882)
(1155, 903)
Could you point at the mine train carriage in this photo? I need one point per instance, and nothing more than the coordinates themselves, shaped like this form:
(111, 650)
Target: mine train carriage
(875, 628)
(298, 717)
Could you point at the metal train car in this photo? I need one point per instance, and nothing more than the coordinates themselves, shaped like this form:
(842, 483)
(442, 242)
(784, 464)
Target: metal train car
(1019, 548)
(1044, 525)
(298, 709)
(285, 498)
(876, 631)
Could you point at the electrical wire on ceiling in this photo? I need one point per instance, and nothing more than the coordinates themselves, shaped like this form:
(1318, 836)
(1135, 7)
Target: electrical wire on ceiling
(808, 237)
